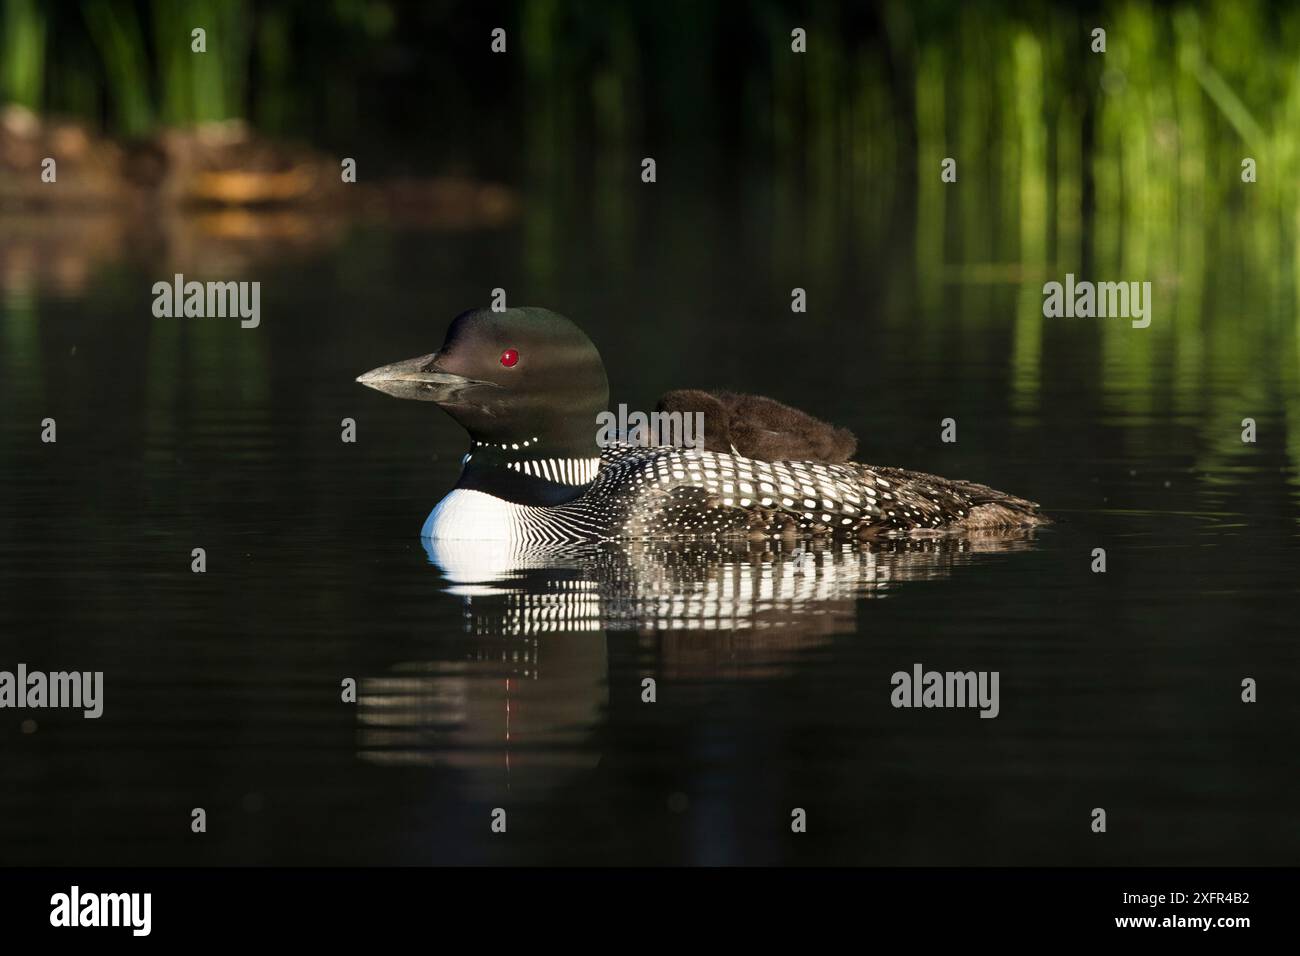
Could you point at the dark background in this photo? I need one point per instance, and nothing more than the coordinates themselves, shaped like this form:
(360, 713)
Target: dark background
(775, 170)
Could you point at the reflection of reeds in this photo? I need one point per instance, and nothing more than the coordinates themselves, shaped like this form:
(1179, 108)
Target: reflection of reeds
(1124, 165)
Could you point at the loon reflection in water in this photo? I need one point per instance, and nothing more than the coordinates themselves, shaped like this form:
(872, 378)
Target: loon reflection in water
(515, 701)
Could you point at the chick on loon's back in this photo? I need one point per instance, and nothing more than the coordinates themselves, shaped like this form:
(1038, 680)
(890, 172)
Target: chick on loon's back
(527, 385)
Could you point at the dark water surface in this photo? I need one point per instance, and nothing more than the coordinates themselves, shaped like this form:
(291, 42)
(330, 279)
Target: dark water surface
(488, 679)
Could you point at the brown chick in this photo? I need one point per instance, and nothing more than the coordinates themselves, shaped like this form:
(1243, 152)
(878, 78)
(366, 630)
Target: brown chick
(761, 428)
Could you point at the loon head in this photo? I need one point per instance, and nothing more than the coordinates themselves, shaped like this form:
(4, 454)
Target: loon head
(525, 383)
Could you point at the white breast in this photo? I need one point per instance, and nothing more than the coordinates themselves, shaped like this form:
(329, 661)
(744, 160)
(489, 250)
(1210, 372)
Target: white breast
(474, 516)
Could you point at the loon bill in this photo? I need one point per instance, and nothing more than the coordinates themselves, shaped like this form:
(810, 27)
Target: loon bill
(527, 385)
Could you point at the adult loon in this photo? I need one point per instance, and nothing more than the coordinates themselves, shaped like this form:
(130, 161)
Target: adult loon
(528, 384)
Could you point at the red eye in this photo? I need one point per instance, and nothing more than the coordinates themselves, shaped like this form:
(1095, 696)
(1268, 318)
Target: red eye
(509, 358)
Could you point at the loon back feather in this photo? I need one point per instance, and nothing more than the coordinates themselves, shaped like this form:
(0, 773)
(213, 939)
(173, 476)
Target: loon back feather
(680, 492)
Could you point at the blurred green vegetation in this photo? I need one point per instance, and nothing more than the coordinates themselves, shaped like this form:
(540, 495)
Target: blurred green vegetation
(130, 66)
